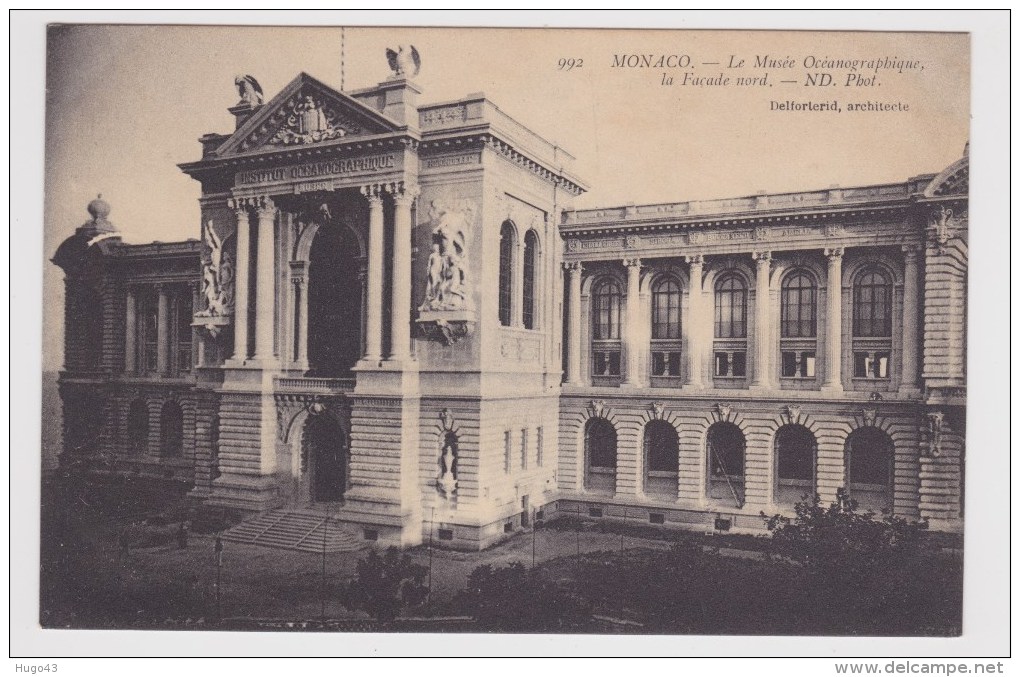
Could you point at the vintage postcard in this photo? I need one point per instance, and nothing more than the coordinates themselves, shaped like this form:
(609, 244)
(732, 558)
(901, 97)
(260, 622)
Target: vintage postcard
(505, 330)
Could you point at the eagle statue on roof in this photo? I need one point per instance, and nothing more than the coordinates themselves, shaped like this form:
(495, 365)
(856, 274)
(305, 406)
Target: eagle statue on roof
(249, 89)
(404, 62)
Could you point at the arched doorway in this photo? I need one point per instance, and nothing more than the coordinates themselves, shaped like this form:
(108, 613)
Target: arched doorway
(869, 468)
(334, 302)
(725, 446)
(662, 459)
(600, 456)
(324, 453)
(795, 464)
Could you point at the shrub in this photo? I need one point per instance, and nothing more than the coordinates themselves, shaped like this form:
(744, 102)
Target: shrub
(866, 575)
(516, 599)
(386, 584)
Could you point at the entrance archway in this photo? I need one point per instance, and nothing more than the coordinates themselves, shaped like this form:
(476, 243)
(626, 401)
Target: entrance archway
(324, 453)
(334, 302)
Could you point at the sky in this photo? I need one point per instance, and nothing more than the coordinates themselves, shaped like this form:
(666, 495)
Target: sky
(126, 104)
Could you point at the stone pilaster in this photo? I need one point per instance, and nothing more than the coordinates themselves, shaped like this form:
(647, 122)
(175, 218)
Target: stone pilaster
(400, 337)
(265, 287)
(693, 325)
(242, 267)
(834, 321)
(911, 306)
(374, 293)
(301, 308)
(573, 323)
(130, 327)
(763, 343)
(632, 335)
(162, 331)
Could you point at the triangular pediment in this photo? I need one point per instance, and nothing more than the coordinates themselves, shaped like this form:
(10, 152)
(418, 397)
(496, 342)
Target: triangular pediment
(306, 112)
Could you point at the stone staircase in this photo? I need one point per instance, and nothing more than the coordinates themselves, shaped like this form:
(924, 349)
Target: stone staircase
(295, 529)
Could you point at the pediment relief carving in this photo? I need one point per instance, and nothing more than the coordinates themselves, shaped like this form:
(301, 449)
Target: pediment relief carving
(306, 112)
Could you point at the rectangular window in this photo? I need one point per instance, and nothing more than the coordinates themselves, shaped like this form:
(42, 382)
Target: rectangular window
(666, 363)
(446, 534)
(538, 447)
(180, 339)
(871, 364)
(731, 363)
(524, 448)
(148, 332)
(607, 363)
(507, 453)
(798, 364)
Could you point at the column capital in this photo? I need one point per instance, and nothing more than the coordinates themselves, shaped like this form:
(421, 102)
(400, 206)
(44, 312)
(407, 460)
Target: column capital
(403, 193)
(239, 205)
(265, 206)
(833, 253)
(695, 259)
(373, 192)
(572, 266)
(910, 250)
(632, 263)
(762, 257)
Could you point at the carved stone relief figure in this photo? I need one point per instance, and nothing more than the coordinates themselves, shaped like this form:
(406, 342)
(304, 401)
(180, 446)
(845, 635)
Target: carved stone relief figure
(447, 285)
(217, 275)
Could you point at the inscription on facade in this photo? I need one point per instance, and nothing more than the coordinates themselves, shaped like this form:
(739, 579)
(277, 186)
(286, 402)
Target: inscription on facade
(443, 116)
(453, 160)
(310, 170)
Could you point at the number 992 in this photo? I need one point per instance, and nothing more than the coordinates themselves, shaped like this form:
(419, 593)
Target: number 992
(570, 64)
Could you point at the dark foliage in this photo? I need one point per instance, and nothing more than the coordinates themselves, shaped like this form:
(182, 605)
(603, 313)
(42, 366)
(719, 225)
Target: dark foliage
(516, 599)
(386, 584)
(861, 574)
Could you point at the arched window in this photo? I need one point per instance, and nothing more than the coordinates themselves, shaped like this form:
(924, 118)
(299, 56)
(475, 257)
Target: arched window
(869, 468)
(171, 430)
(872, 339)
(798, 324)
(506, 268)
(600, 456)
(725, 451)
(530, 281)
(606, 329)
(873, 304)
(666, 343)
(795, 464)
(138, 427)
(730, 327)
(662, 458)
(799, 304)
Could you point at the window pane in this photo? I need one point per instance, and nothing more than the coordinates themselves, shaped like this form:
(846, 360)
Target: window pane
(530, 253)
(730, 308)
(506, 245)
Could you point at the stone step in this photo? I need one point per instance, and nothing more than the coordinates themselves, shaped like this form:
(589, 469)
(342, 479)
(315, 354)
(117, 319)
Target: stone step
(299, 530)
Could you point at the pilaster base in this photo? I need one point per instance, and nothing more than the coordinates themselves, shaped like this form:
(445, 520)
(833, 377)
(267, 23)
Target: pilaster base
(245, 492)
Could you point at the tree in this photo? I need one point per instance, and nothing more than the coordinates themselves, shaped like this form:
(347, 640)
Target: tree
(386, 584)
(861, 573)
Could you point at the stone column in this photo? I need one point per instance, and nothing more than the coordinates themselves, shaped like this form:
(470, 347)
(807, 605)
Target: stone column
(374, 296)
(763, 348)
(265, 281)
(130, 327)
(693, 324)
(834, 321)
(301, 308)
(400, 336)
(632, 335)
(573, 323)
(911, 304)
(162, 331)
(241, 268)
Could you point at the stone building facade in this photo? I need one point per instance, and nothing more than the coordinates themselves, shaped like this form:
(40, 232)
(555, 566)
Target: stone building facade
(394, 312)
